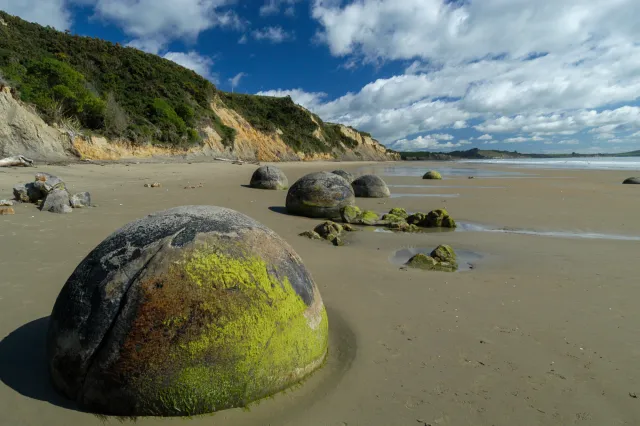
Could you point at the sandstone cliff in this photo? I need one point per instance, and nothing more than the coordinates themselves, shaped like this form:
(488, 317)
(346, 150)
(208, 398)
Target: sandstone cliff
(23, 132)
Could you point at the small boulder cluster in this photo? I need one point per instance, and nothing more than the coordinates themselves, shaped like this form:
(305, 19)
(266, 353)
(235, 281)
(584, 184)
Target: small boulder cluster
(442, 258)
(329, 231)
(398, 219)
(50, 193)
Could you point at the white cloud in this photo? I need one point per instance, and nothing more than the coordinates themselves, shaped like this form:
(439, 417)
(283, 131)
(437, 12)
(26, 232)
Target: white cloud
(43, 12)
(235, 80)
(428, 142)
(311, 101)
(485, 137)
(243, 39)
(194, 61)
(272, 34)
(442, 136)
(157, 22)
(518, 139)
(450, 31)
(569, 142)
(273, 7)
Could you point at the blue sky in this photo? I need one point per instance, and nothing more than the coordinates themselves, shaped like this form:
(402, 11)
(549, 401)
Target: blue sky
(525, 75)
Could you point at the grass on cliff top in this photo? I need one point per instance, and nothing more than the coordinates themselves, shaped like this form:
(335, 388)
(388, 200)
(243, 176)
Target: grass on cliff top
(270, 114)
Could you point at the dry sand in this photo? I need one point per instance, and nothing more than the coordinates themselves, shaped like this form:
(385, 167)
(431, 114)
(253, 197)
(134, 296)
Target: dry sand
(543, 330)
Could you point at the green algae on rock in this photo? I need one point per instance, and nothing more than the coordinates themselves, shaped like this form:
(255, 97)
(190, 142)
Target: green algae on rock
(398, 211)
(369, 217)
(312, 235)
(438, 218)
(190, 310)
(432, 174)
(350, 214)
(442, 258)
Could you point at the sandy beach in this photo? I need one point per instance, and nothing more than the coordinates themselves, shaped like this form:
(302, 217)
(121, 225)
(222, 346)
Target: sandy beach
(542, 330)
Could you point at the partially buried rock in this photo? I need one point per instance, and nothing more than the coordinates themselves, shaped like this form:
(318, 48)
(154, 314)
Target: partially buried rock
(81, 199)
(27, 193)
(312, 235)
(190, 310)
(442, 258)
(353, 214)
(46, 183)
(432, 174)
(632, 181)
(7, 211)
(346, 175)
(269, 177)
(331, 232)
(319, 195)
(400, 212)
(370, 186)
(57, 201)
(438, 218)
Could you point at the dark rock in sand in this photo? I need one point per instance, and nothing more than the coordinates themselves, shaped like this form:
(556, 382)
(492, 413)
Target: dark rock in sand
(27, 193)
(319, 195)
(632, 181)
(46, 183)
(350, 214)
(370, 186)
(269, 177)
(57, 201)
(328, 230)
(190, 310)
(81, 199)
(312, 235)
(346, 175)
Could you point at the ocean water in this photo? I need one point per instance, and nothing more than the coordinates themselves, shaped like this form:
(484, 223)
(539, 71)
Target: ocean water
(446, 170)
(598, 163)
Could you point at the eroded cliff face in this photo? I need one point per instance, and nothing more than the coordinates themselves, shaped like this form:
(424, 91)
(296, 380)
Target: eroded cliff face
(23, 132)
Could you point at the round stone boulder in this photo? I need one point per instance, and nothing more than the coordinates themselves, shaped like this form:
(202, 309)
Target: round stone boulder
(189, 310)
(432, 174)
(348, 176)
(319, 195)
(370, 186)
(632, 181)
(269, 177)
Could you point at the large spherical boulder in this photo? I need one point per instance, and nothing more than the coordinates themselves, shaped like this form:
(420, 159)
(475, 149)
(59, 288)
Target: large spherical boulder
(632, 181)
(269, 177)
(370, 186)
(190, 310)
(432, 174)
(319, 195)
(343, 173)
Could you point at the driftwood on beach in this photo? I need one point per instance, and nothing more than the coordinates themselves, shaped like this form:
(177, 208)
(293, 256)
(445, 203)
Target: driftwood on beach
(240, 162)
(17, 161)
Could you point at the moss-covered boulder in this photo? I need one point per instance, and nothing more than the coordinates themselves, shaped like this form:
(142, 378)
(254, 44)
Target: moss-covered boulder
(370, 186)
(369, 217)
(432, 174)
(328, 229)
(438, 218)
(312, 235)
(392, 218)
(403, 227)
(442, 258)
(346, 175)
(319, 195)
(632, 181)
(269, 177)
(397, 211)
(190, 310)
(350, 214)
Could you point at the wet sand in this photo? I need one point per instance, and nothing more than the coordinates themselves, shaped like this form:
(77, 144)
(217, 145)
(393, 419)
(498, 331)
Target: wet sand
(542, 331)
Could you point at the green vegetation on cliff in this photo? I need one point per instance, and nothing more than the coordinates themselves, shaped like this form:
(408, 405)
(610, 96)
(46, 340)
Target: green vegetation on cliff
(117, 91)
(120, 92)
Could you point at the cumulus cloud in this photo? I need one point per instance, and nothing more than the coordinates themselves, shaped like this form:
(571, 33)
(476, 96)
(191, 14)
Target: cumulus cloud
(157, 22)
(485, 137)
(272, 34)
(312, 101)
(194, 61)
(428, 142)
(44, 12)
